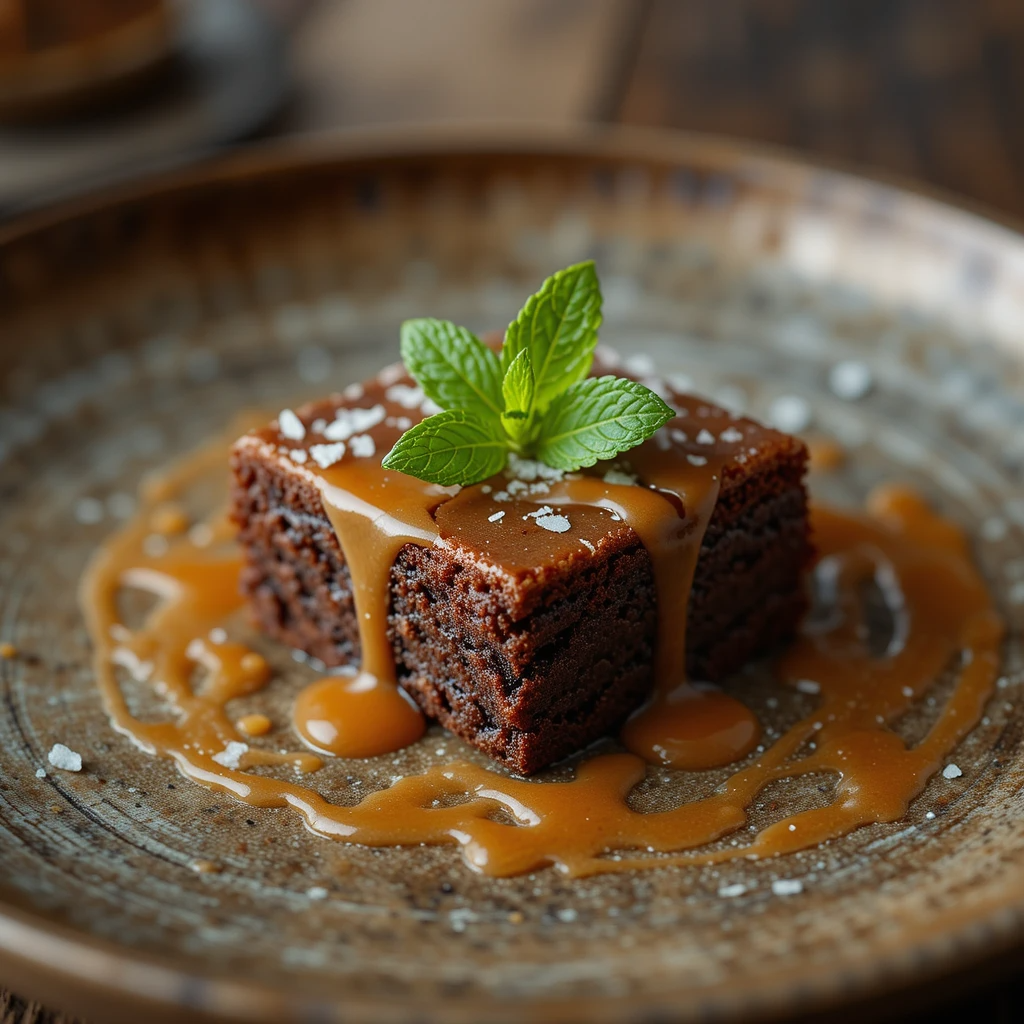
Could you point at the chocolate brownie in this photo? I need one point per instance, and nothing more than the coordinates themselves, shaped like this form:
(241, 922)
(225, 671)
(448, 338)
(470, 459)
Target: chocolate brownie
(528, 630)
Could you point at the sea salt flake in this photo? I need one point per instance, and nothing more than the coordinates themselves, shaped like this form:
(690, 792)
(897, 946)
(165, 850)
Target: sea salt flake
(730, 891)
(497, 517)
(317, 426)
(290, 425)
(544, 510)
(517, 487)
(540, 487)
(362, 446)
(705, 437)
(64, 758)
(929, 815)
(677, 435)
(850, 380)
(568, 915)
(353, 421)
(616, 476)
(529, 470)
(554, 524)
(590, 547)
(40, 773)
(429, 407)
(696, 460)
(907, 691)
(808, 686)
(353, 392)
(326, 455)
(951, 771)
(787, 886)
(231, 755)
(731, 435)
(391, 373)
(299, 455)
(316, 892)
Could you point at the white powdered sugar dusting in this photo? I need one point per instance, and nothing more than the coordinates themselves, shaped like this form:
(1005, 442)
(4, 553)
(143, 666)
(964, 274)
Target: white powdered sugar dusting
(326, 455)
(290, 425)
(65, 758)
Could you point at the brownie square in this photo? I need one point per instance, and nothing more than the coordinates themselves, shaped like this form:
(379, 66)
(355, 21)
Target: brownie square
(527, 657)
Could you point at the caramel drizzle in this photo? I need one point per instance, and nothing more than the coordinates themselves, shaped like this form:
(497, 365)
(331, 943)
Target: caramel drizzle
(920, 561)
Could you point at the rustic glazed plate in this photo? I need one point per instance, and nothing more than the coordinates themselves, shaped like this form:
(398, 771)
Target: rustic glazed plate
(133, 328)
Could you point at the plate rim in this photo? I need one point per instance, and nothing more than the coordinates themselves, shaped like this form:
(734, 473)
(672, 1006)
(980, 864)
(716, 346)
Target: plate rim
(104, 970)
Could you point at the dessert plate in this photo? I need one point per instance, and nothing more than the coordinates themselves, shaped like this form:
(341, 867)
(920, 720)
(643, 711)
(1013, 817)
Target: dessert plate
(882, 325)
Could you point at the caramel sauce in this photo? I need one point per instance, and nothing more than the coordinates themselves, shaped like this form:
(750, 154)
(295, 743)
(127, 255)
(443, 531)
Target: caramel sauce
(942, 616)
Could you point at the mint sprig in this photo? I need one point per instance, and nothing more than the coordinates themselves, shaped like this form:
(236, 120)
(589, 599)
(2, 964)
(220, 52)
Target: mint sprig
(536, 401)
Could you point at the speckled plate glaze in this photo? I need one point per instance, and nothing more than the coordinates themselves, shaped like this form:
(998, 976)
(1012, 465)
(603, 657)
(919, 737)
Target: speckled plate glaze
(134, 326)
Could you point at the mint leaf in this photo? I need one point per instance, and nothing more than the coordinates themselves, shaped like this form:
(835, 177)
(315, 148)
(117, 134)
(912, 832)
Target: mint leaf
(558, 327)
(517, 389)
(453, 447)
(597, 419)
(453, 366)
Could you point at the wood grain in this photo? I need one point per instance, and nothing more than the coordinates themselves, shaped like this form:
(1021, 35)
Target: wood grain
(930, 89)
(373, 61)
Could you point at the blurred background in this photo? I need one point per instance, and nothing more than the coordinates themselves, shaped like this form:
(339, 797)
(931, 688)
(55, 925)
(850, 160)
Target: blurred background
(930, 92)
(98, 90)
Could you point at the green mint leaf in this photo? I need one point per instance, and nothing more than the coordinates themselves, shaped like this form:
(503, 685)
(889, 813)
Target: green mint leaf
(517, 389)
(453, 366)
(558, 327)
(453, 447)
(597, 419)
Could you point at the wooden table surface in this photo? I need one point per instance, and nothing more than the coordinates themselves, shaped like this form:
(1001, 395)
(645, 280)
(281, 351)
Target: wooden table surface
(927, 90)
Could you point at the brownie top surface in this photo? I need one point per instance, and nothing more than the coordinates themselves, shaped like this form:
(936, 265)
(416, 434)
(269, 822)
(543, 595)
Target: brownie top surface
(513, 523)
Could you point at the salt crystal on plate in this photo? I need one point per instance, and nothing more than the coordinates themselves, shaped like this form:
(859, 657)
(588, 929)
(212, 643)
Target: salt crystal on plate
(787, 886)
(850, 380)
(790, 413)
(65, 758)
(729, 891)
(290, 425)
(231, 755)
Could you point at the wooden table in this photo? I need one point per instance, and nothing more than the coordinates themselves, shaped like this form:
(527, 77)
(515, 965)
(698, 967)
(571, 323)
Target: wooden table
(931, 90)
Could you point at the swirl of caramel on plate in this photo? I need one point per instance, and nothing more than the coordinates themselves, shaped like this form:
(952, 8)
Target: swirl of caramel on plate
(942, 616)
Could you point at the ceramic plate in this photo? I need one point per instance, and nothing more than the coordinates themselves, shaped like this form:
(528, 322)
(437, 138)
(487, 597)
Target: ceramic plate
(133, 327)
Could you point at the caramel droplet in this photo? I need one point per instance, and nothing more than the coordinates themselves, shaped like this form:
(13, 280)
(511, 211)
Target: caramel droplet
(692, 728)
(358, 716)
(255, 725)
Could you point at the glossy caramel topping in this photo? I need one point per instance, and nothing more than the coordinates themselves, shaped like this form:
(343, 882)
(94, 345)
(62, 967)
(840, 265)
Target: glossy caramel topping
(941, 615)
